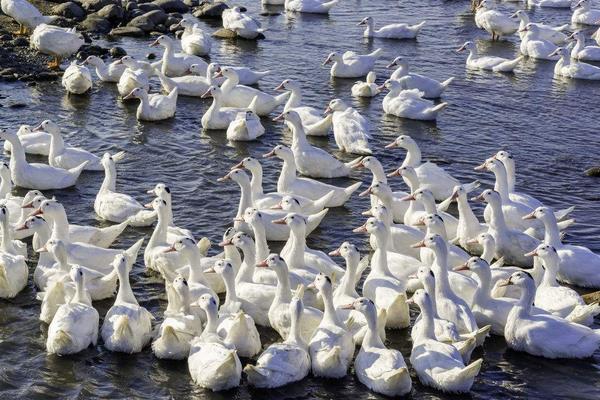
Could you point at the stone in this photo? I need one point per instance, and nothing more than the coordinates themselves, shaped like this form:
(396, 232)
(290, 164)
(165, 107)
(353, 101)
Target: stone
(131, 5)
(6, 37)
(224, 33)
(69, 9)
(594, 171)
(8, 72)
(91, 50)
(210, 11)
(171, 21)
(135, 13)
(95, 5)
(117, 52)
(149, 7)
(148, 21)
(191, 3)
(590, 298)
(94, 23)
(172, 5)
(131, 31)
(111, 12)
(151, 56)
(20, 42)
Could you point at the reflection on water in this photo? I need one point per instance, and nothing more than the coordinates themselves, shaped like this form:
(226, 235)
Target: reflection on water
(549, 124)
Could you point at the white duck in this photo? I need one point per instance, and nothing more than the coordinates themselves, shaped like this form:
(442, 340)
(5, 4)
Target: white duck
(352, 65)
(217, 116)
(194, 41)
(550, 3)
(286, 362)
(176, 64)
(536, 334)
(245, 75)
(245, 127)
(574, 69)
(534, 46)
(401, 237)
(289, 182)
(391, 31)
(312, 119)
(134, 76)
(583, 52)
(213, 364)
(374, 166)
(430, 175)
(310, 160)
(578, 265)
(468, 226)
(488, 63)
(366, 89)
(380, 285)
(332, 345)
(380, 369)
(174, 232)
(37, 176)
(493, 21)
(25, 14)
(431, 88)
(425, 197)
(409, 103)
(155, 106)
(546, 32)
(118, 207)
(434, 224)
(106, 72)
(127, 326)
(67, 157)
(56, 42)
(33, 142)
(77, 79)
(350, 129)
(596, 36)
(188, 85)
(12, 203)
(75, 325)
(391, 200)
(584, 14)
(243, 25)
(13, 269)
(439, 364)
(310, 6)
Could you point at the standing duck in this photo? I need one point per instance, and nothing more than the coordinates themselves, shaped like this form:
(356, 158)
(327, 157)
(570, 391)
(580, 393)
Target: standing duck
(56, 42)
(352, 65)
(366, 89)
(493, 21)
(310, 6)
(391, 31)
(25, 14)
(194, 41)
(350, 129)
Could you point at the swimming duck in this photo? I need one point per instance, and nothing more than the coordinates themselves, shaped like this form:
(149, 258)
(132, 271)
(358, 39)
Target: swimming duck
(13, 269)
(493, 21)
(401, 237)
(310, 160)
(245, 127)
(127, 326)
(536, 333)
(550, 3)
(194, 41)
(409, 103)
(546, 32)
(574, 69)
(245, 75)
(350, 129)
(310, 6)
(431, 88)
(331, 346)
(366, 89)
(187, 85)
(77, 79)
(374, 166)
(488, 63)
(242, 24)
(584, 14)
(174, 232)
(468, 226)
(56, 42)
(75, 325)
(32, 142)
(213, 364)
(217, 116)
(7, 199)
(66, 157)
(37, 176)
(391, 31)
(430, 175)
(534, 46)
(176, 64)
(154, 107)
(352, 65)
(285, 362)
(25, 14)
(581, 51)
(380, 369)
(312, 119)
(106, 72)
(596, 36)
(179, 327)
(439, 364)
(134, 76)
(118, 207)
(391, 200)
(289, 182)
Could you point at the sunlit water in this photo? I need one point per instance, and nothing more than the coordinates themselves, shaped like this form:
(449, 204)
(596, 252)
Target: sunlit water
(550, 126)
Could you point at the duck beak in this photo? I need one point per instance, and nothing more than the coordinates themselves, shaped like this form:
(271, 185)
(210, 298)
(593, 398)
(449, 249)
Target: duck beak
(381, 88)
(280, 87)
(206, 95)
(515, 15)
(410, 301)
(392, 145)
(154, 44)
(335, 253)
(269, 154)
(262, 264)
(327, 61)
(472, 241)
(481, 167)
(171, 249)
(119, 62)
(129, 96)
(327, 110)
(410, 197)
(358, 165)
(395, 172)
(37, 128)
(28, 205)
(418, 245)
(277, 206)
(506, 282)
(347, 307)
(224, 178)
(37, 212)
(367, 213)
(21, 228)
(238, 219)
(479, 198)
(366, 192)
(311, 286)
(280, 221)
(523, 30)
(279, 117)
(390, 65)
(149, 205)
(360, 229)
(462, 267)
(219, 73)
(239, 165)
(533, 253)
(420, 222)
(211, 270)
(151, 191)
(42, 250)
(529, 216)
(224, 243)
(461, 48)
(454, 195)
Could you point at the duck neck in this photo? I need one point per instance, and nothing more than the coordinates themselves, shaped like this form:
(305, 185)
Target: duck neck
(550, 271)
(60, 226)
(551, 231)
(295, 335)
(287, 175)
(369, 29)
(580, 45)
(144, 107)
(110, 178)
(41, 237)
(6, 243)
(372, 338)
(378, 173)
(167, 56)
(125, 294)
(348, 282)
(488, 252)
(298, 135)
(295, 100)
(62, 261)
(261, 247)
(5, 186)
(401, 71)
(483, 290)
(246, 271)
(428, 324)
(283, 293)
(57, 145)
(230, 292)
(509, 165)
(440, 269)
(525, 302)
(466, 214)
(185, 303)
(497, 220)
(80, 293)
(413, 157)
(298, 246)
(159, 235)
(429, 285)
(196, 273)
(17, 153)
(256, 183)
(501, 184)
(411, 181)
(229, 84)
(330, 316)
(381, 262)
(212, 321)
(245, 198)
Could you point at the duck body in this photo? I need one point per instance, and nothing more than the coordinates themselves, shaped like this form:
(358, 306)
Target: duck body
(155, 107)
(214, 366)
(194, 41)
(77, 79)
(351, 64)
(411, 104)
(55, 41)
(14, 274)
(132, 79)
(534, 46)
(107, 72)
(350, 129)
(431, 88)
(25, 14)
(37, 142)
(217, 116)
(493, 21)
(241, 96)
(575, 69)
(391, 31)
(313, 122)
(243, 25)
(488, 63)
(584, 14)
(67, 157)
(310, 6)
(245, 127)
(583, 52)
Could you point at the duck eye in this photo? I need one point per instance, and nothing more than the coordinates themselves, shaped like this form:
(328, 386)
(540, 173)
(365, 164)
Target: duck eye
(80, 273)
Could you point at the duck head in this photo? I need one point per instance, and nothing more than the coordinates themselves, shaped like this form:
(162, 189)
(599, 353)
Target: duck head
(237, 175)
(48, 127)
(336, 105)
(136, 93)
(162, 40)
(332, 57)
(470, 46)
(161, 190)
(346, 250)
(288, 203)
(280, 151)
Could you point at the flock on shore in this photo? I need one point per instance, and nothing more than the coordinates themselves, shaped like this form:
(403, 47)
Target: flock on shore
(503, 273)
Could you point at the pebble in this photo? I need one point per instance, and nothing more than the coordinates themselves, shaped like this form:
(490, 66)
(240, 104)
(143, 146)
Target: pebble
(117, 52)
(594, 171)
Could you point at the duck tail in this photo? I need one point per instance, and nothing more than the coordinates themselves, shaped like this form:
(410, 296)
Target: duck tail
(282, 98)
(395, 377)
(3, 278)
(417, 27)
(256, 376)
(562, 214)
(62, 339)
(363, 150)
(562, 27)
(509, 65)
(228, 363)
(447, 82)
(170, 335)
(469, 187)
(330, 358)
(204, 245)
(328, 5)
(253, 104)
(322, 202)
(470, 371)
(381, 322)
(122, 328)
(174, 93)
(438, 108)
(565, 224)
(110, 233)
(76, 171)
(133, 251)
(376, 53)
(262, 73)
(352, 188)
(481, 333)
(167, 83)
(584, 313)
(465, 348)
(350, 164)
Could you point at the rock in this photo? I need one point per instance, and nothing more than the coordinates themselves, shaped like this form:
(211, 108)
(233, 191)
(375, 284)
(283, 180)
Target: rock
(94, 23)
(210, 11)
(149, 7)
(151, 56)
(20, 42)
(135, 13)
(117, 52)
(171, 21)
(63, 22)
(594, 171)
(69, 9)
(172, 5)
(191, 3)
(8, 72)
(95, 5)
(111, 12)
(148, 21)
(131, 5)
(91, 50)
(590, 298)
(6, 37)
(225, 33)
(17, 105)
(127, 31)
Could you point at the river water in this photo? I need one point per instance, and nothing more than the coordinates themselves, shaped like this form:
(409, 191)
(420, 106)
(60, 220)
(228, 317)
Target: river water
(550, 126)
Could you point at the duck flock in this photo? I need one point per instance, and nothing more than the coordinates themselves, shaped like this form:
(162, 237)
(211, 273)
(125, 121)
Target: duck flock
(501, 273)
